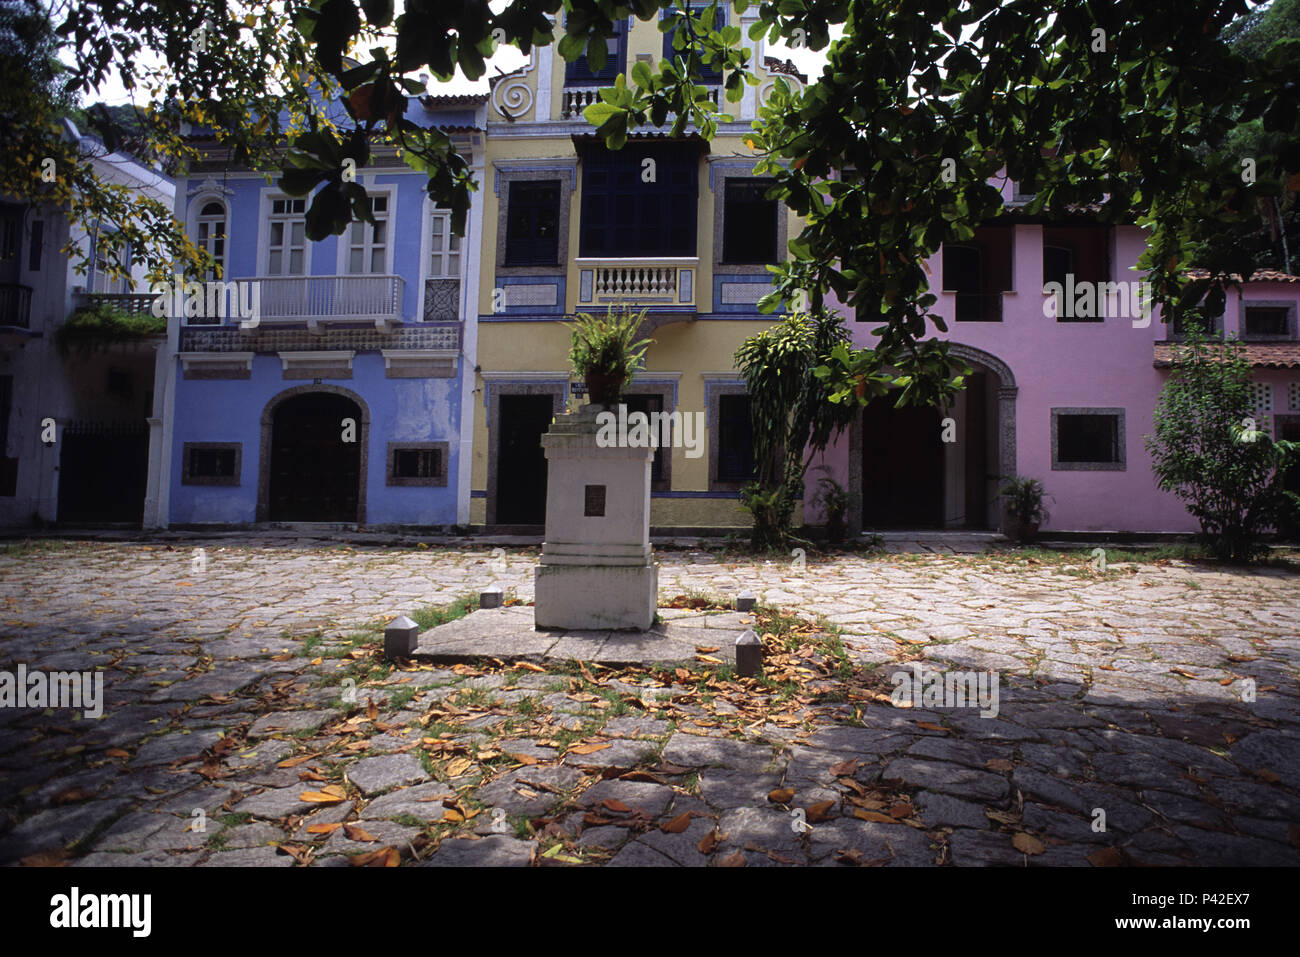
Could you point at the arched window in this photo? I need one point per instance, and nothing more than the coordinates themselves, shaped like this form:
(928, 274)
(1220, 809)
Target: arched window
(212, 237)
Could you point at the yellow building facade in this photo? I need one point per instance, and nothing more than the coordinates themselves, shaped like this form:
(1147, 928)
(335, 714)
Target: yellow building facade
(680, 228)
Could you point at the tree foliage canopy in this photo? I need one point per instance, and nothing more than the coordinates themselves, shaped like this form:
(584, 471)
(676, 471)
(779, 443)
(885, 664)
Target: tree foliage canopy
(1129, 106)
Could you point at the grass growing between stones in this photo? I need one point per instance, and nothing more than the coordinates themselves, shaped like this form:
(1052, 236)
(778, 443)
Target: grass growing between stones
(431, 616)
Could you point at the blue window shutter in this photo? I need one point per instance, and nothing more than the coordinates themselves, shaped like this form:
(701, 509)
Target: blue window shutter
(625, 217)
(578, 73)
(707, 73)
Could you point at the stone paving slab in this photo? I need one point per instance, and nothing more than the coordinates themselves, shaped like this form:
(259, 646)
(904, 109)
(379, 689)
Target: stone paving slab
(508, 634)
(1122, 691)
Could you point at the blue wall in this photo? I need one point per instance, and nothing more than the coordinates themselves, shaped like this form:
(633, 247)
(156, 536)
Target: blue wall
(230, 410)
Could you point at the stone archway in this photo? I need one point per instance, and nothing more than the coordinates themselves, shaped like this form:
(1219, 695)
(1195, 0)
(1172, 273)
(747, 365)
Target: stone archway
(268, 450)
(1007, 391)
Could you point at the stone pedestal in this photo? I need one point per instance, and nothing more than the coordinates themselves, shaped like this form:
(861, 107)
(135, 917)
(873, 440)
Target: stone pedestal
(597, 568)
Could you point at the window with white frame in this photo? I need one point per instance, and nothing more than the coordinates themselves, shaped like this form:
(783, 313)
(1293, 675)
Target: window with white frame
(445, 261)
(211, 237)
(286, 248)
(368, 242)
(102, 279)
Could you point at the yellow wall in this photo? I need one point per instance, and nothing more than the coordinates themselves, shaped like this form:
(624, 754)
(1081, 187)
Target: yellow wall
(686, 349)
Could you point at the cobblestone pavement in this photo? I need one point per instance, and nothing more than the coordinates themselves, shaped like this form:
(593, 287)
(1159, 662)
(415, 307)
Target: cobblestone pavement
(243, 695)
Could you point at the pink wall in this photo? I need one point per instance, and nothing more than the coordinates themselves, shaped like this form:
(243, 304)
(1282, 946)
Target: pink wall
(1087, 364)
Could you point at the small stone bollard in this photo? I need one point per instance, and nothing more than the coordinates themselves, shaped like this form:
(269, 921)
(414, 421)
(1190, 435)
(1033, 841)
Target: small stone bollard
(749, 655)
(400, 637)
(490, 597)
(745, 601)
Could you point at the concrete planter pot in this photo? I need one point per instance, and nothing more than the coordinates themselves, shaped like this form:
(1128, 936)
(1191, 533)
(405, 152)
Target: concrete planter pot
(1021, 531)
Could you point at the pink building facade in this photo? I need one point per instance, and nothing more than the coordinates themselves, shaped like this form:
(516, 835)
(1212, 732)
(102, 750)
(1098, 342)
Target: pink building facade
(1067, 400)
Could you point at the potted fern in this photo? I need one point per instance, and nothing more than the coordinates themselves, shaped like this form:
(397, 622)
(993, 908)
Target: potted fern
(1024, 498)
(606, 353)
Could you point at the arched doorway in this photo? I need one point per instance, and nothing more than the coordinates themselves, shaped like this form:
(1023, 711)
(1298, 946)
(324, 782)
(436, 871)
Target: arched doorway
(903, 474)
(314, 441)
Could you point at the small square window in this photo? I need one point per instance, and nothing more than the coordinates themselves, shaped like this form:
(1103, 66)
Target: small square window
(417, 463)
(1088, 440)
(1267, 322)
(211, 463)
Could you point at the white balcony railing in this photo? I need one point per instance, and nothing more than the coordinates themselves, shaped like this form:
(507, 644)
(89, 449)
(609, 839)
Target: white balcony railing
(575, 99)
(323, 299)
(649, 282)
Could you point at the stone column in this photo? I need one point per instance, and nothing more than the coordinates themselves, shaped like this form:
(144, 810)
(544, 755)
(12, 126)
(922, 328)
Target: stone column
(1006, 442)
(597, 568)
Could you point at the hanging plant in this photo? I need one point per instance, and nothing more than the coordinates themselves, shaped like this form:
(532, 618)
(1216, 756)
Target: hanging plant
(99, 325)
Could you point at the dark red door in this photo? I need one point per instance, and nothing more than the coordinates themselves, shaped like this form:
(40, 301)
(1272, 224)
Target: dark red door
(315, 474)
(902, 466)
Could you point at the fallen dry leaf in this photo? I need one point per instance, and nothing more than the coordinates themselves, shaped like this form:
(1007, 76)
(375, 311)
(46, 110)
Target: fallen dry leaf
(55, 858)
(356, 832)
(781, 795)
(294, 762)
(678, 824)
(873, 816)
(735, 859)
(820, 811)
(299, 852)
(70, 796)
(589, 748)
(458, 766)
(709, 842)
(999, 764)
(612, 805)
(320, 797)
(1027, 844)
(324, 828)
(930, 726)
(845, 768)
(1108, 857)
(384, 857)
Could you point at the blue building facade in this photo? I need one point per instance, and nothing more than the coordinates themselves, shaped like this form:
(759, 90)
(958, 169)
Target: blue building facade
(324, 381)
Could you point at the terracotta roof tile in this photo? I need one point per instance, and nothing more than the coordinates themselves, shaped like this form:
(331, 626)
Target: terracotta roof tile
(1268, 355)
(1259, 275)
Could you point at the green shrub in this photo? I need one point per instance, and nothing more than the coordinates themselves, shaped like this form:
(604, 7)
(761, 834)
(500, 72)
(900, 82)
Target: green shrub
(99, 324)
(1206, 451)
